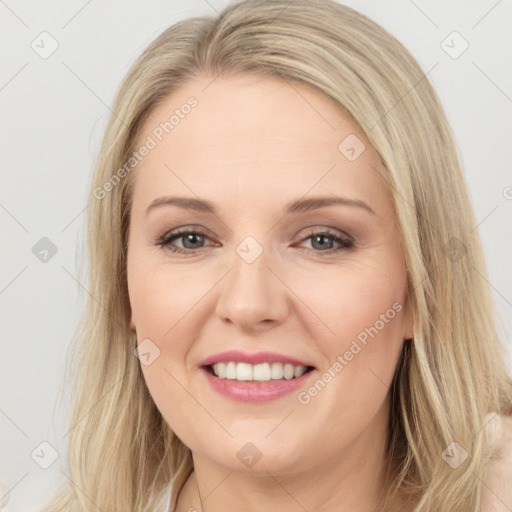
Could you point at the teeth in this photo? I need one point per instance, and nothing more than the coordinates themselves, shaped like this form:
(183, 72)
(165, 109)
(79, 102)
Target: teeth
(230, 370)
(298, 371)
(257, 372)
(276, 371)
(261, 371)
(244, 371)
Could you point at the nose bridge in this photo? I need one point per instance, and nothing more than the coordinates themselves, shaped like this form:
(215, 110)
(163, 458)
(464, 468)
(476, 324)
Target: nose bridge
(251, 293)
(250, 276)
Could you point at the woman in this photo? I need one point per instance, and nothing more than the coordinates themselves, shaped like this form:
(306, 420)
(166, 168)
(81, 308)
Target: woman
(287, 309)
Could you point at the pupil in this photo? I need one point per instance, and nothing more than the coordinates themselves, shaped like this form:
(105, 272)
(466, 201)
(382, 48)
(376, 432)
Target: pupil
(322, 237)
(191, 238)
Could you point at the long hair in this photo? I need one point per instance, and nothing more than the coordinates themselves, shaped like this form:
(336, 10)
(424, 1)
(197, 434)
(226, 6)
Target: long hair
(451, 375)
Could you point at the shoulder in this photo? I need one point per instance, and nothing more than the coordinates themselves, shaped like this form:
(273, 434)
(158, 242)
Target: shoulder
(501, 436)
(497, 488)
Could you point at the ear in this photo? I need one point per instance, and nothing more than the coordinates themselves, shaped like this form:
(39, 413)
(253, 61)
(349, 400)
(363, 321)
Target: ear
(131, 323)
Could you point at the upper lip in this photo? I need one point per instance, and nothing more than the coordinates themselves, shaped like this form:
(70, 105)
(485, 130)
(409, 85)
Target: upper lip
(251, 358)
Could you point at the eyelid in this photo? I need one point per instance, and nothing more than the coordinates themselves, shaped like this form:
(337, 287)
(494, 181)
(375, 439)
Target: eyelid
(314, 230)
(182, 230)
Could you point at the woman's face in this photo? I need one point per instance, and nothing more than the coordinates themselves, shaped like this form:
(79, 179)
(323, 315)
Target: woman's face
(274, 279)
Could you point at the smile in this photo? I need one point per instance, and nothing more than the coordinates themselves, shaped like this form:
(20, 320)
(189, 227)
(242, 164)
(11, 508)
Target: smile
(255, 377)
(262, 372)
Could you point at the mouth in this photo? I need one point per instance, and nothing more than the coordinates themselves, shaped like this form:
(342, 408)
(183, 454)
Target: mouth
(262, 372)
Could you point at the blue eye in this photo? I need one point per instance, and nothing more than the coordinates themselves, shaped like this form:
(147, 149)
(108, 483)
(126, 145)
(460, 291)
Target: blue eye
(320, 240)
(190, 240)
(194, 240)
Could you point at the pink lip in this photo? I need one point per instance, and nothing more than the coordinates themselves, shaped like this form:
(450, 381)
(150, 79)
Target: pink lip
(251, 358)
(250, 391)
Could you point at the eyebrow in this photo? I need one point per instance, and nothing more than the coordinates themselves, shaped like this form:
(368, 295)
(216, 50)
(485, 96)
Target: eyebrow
(299, 205)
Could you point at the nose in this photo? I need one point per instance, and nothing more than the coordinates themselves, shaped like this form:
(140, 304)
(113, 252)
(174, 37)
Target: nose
(253, 295)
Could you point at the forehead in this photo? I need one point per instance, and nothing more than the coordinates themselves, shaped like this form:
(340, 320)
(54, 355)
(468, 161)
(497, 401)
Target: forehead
(248, 135)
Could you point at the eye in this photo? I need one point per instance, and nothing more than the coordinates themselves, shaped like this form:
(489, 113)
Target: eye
(192, 240)
(324, 240)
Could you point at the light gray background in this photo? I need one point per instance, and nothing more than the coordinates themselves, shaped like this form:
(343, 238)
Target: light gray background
(54, 112)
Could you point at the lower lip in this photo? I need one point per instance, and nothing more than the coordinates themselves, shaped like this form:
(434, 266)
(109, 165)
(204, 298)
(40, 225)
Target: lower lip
(250, 391)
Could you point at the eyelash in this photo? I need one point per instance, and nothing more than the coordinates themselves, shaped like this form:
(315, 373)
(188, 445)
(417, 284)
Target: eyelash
(165, 241)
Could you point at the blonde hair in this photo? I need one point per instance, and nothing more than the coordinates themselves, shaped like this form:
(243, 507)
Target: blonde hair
(122, 454)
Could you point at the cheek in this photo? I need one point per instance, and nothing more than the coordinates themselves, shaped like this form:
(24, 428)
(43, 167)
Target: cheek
(347, 299)
(361, 325)
(164, 308)
(161, 297)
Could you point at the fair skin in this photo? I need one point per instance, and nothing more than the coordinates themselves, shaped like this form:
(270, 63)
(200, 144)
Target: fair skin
(251, 146)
